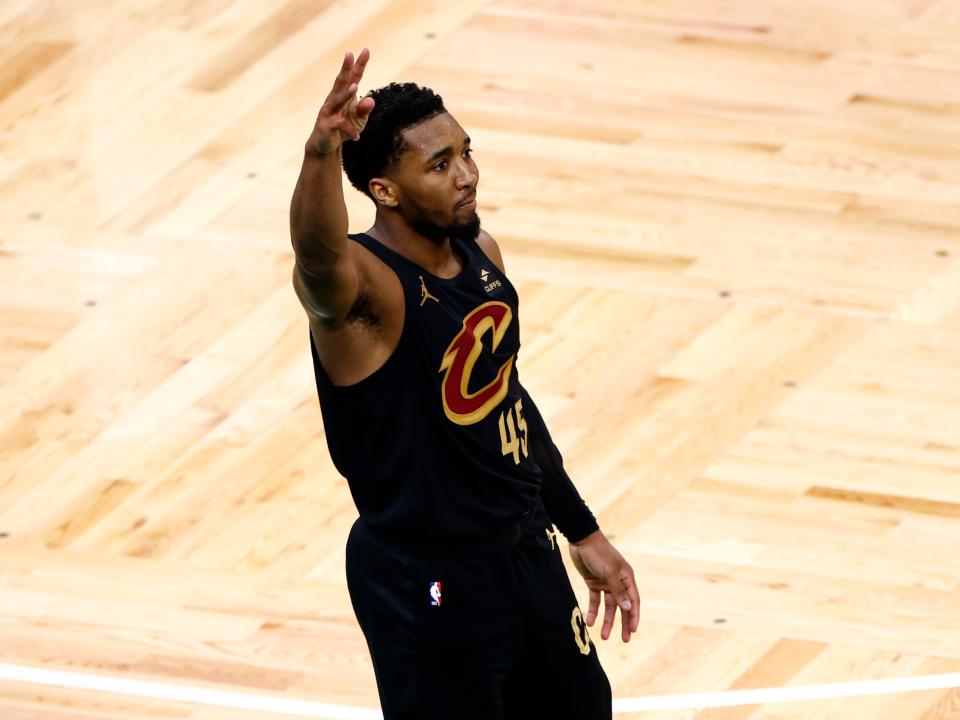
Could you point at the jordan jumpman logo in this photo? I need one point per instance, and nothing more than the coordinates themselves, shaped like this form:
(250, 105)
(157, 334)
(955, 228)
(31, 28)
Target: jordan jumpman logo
(425, 294)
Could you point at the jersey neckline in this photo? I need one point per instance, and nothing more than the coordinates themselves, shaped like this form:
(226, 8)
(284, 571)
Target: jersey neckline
(455, 245)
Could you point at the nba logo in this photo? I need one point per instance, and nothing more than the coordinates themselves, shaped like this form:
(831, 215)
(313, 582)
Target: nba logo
(435, 594)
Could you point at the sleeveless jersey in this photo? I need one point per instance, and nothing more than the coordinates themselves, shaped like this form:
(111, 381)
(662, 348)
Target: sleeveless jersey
(434, 443)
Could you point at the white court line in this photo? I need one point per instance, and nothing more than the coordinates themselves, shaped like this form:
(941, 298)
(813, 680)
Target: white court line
(184, 693)
(795, 693)
(306, 708)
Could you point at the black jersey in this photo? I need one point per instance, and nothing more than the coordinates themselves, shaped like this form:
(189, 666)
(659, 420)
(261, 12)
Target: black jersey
(434, 443)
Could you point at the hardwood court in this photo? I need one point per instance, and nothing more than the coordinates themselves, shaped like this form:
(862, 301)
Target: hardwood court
(735, 228)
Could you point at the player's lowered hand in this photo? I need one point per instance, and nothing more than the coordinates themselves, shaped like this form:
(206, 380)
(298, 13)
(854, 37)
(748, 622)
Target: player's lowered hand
(342, 116)
(606, 573)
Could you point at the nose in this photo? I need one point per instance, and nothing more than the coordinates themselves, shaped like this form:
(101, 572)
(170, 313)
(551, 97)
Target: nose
(467, 175)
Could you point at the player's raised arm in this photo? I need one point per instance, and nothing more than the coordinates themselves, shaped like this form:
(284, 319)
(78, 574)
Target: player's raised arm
(325, 276)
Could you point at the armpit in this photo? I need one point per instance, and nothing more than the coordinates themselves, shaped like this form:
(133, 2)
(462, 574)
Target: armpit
(362, 312)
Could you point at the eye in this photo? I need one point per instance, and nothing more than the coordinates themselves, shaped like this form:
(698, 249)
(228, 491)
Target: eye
(468, 152)
(440, 166)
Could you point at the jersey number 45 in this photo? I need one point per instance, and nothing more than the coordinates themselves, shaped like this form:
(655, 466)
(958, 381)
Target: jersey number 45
(513, 442)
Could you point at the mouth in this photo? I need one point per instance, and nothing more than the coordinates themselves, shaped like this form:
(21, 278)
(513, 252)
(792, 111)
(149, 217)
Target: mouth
(469, 202)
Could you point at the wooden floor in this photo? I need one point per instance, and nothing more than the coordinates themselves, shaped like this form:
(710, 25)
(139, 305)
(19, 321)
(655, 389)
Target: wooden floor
(735, 228)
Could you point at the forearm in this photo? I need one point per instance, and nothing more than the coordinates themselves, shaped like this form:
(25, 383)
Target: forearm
(318, 214)
(566, 509)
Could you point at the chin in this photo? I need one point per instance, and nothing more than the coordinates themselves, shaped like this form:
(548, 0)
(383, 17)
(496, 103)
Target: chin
(465, 230)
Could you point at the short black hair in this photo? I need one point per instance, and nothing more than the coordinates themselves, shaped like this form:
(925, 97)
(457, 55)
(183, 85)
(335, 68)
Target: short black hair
(398, 107)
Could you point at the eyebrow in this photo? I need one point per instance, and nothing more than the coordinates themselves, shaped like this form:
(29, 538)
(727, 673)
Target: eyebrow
(443, 152)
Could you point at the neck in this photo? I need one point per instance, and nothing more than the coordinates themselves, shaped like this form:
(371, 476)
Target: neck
(437, 258)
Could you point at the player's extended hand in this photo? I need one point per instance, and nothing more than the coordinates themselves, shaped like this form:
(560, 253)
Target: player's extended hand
(605, 571)
(342, 116)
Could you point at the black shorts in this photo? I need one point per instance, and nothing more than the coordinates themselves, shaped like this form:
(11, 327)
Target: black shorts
(475, 633)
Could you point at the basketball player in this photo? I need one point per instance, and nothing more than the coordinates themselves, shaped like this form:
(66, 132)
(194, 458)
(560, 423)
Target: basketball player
(453, 567)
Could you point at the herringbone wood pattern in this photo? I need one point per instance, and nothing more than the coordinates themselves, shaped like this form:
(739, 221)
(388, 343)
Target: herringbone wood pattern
(735, 227)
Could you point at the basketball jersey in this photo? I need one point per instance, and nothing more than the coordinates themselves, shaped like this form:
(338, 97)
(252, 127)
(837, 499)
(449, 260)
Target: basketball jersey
(434, 444)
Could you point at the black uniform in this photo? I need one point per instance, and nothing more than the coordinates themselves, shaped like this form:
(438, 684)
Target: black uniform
(453, 567)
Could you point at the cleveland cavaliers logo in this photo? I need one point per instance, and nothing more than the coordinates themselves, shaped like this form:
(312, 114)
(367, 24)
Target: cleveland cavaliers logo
(462, 406)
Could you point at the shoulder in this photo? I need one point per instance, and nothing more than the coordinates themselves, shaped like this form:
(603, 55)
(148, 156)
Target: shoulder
(376, 292)
(490, 248)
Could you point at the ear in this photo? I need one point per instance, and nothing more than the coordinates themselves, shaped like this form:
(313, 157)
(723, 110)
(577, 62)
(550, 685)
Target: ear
(384, 192)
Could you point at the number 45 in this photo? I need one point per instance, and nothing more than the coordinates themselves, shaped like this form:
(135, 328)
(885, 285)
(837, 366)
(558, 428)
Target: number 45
(510, 441)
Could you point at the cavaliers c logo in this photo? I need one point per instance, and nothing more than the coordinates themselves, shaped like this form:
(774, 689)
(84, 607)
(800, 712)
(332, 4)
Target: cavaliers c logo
(462, 406)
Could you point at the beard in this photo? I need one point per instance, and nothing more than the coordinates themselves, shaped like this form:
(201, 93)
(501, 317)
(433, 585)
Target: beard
(460, 229)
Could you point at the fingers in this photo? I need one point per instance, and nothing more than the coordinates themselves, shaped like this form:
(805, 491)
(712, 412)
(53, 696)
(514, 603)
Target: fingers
(626, 597)
(338, 100)
(343, 78)
(629, 617)
(364, 107)
(347, 81)
(351, 73)
(346, 66)
(594, 607)
(630, 585)
(621, 593)
(628, 622)
(605, 571)
(609, 613)
(360, 65)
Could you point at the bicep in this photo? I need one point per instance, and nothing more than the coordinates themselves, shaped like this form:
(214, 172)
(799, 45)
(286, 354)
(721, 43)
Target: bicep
(327, 291)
